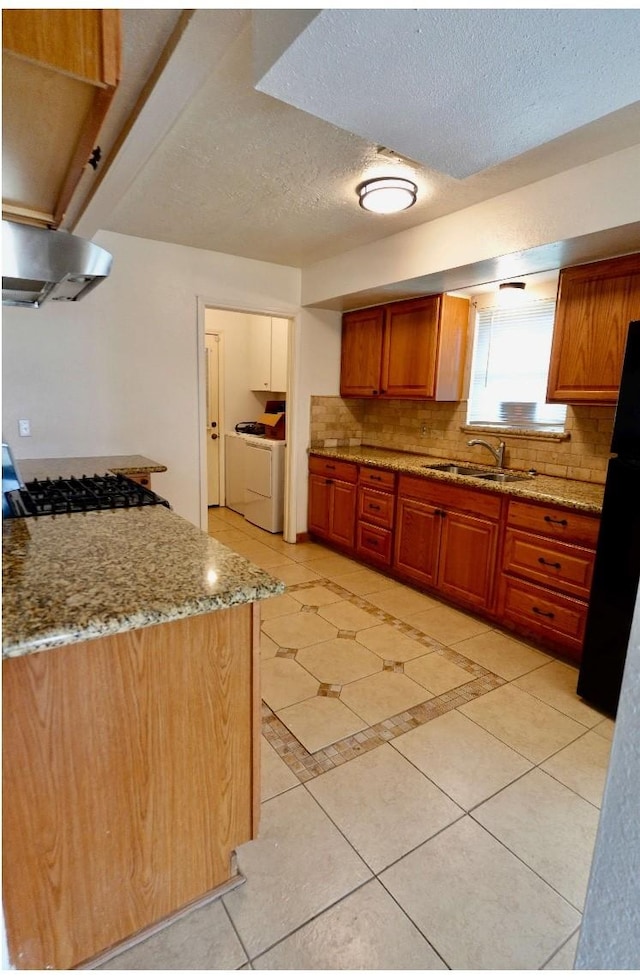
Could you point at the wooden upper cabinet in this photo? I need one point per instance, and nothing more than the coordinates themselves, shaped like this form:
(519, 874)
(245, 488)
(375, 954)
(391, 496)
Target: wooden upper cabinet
(596, 303)
(361, 360)
(409, 349)
(60, 70)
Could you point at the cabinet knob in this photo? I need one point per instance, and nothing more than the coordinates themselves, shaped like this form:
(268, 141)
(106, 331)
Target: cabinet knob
(213, 436)
(549, 563)
(544, 614)
(550, 519)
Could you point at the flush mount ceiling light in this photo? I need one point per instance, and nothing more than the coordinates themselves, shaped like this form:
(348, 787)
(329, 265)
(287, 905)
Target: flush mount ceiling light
(387, 195)
(511, 293)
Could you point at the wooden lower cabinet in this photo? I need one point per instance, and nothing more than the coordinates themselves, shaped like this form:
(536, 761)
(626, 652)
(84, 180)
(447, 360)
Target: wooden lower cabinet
(332, 501)
(524, 565)
(547, 568)
(130, 775)
(376, 516)
(446, 539)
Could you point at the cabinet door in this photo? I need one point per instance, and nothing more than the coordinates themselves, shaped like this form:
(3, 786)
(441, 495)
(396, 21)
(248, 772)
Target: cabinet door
(319, 504)
(410, 348)
(279, 354)
(596, 303)
(467, 558)
(342, 527)
(418, 526)
(259, 353)
(362, 333)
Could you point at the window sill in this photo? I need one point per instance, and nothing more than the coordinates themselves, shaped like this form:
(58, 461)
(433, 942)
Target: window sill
(512, 432)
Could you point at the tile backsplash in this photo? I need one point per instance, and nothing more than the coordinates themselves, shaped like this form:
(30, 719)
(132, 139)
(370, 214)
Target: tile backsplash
(399, 425)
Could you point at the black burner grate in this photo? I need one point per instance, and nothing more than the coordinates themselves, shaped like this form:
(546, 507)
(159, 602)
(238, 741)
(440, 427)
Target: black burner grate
(48, 497)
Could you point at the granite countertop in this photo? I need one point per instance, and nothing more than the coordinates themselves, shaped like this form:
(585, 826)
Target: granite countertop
(74, 577)
(68, 468)
(584, 496)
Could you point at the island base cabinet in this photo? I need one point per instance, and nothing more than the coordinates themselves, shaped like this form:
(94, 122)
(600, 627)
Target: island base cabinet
(130, 776)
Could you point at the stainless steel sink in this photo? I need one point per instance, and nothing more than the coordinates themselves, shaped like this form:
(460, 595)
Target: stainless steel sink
(504, 476)
(475, 473)
(456, 469)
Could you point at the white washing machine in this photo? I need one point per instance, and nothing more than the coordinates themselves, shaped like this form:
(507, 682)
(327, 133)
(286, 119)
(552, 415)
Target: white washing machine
(255, 479)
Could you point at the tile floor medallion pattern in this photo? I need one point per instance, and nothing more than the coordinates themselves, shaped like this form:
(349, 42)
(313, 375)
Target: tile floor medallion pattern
(460, 834)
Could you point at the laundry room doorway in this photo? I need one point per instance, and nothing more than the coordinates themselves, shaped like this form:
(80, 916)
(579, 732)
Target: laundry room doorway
(246, 357)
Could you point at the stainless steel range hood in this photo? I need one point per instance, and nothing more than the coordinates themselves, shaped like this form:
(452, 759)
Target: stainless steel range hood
(38, 265)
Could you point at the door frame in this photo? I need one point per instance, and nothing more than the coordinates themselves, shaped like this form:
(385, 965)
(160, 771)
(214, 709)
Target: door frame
(292, 313)
(221, 418)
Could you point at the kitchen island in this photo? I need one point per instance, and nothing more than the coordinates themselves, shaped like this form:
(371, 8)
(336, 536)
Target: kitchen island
(67, 468)
(130, 726)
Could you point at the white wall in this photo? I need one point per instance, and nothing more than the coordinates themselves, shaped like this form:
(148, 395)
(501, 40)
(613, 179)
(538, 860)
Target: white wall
(117, 372)
(317, 353)
(580, 201)
(610, 932)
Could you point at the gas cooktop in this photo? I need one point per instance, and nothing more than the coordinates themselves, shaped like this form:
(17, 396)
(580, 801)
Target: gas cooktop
(48, 497)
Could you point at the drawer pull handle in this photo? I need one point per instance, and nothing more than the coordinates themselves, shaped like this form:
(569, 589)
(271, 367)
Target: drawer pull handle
(550, 519)
(545, 614)
(331, 467)
(375, 507)
(549, 563)
(371, 541)
(376, 478)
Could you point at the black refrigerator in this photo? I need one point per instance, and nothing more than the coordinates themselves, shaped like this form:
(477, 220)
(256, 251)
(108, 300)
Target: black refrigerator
(617, 566)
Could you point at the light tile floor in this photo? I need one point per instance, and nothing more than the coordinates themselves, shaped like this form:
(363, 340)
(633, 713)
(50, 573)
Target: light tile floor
(431, 787)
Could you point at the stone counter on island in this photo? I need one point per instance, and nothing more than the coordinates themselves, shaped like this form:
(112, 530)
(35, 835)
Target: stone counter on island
(131, 727)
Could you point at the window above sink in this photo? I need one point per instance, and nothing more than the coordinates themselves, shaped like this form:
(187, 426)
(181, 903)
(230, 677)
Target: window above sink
(510, 365)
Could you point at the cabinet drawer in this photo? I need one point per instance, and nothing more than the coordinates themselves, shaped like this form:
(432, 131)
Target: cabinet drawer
(333, 469)
(377, 477)
(448, 496)
(561, 524)
(549, 615)
(374, 543)
(554, 564)
(375, 507)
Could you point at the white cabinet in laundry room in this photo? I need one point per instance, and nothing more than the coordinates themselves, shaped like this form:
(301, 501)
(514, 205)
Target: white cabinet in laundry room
(268, 353)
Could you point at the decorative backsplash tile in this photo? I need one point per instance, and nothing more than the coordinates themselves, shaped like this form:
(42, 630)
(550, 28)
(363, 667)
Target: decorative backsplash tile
(399, 424)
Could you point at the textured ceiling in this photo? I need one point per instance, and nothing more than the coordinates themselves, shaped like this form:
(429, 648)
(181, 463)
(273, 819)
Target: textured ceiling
(469, 88)
(243, 173)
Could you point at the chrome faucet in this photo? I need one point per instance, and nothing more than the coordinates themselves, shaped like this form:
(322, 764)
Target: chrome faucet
(498, 453)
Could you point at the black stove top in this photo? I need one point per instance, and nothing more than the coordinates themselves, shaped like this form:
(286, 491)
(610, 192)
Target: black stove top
(48, 497)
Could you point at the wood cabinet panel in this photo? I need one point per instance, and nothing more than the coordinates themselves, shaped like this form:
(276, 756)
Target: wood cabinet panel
(595, 304)
(563, 567)
(410, 347)
(560, 524)
(417, 545)
(332, 501)
(319, 505)
(361, 355)
(467, 564)
(377, 478)
(472, 501)
(376, 507)
(333, 469)
(413, 349)
(60, 72)
(374, 544)
(127, 781)
(538, 611)
(343, 514)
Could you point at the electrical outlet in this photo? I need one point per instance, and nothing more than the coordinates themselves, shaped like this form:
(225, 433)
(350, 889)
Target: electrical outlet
(24, 428)
(424, 430)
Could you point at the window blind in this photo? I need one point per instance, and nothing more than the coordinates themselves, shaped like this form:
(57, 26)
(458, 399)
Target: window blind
(510, 367)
